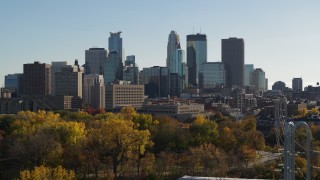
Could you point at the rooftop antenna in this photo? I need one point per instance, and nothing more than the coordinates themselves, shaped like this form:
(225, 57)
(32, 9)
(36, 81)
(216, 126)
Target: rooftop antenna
(200, 29)
(193, 29)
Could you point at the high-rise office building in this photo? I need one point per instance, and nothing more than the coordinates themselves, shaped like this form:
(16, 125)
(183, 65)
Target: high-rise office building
(56, 67)
(131, 70)
(94, 60)
(130, 61)
(185, 76)
(11, 81)
(89, 81)
(131, 73)
(113, 68)
(115, 43)
(177, 64)
(98, 96)
(157, 81)
(248, 70)
(172, 47)
(196, 56)
(297, 84)
(68, 82)
(36, 79)
(14, 84)
(259, 80)
(267, 84)
(233, 58)
(212, 74)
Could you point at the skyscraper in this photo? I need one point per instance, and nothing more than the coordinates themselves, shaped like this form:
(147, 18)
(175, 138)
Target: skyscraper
(176, 66)
(196, 55)
(297, 84)
(157, 81)
(131, 70)
(172, 47)
(36, 79)
(90, 81)
(113, 68)
(94, 60)
(259, 80)
(68, 82)
(115, 43)
(233, 58)
(130, 61)
(248, 70)
(14, 82)
(212, 74)
(56, 67)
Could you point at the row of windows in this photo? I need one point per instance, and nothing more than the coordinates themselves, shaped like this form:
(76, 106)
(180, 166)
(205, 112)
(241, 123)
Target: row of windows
(129, 92)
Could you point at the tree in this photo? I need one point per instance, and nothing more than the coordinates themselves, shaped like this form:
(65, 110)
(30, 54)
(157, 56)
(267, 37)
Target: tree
(303, 112)
(39, 138)
(227, 140)
(247, 154)
(143, 121)
(128, 112)
(248, 124)
(255, 140)
(219, 116)
(42, 172)
(37, 149)
(208, 158)
(140, 143)
(117, 138)
(163, 133)
(314, 111)
(204, 131)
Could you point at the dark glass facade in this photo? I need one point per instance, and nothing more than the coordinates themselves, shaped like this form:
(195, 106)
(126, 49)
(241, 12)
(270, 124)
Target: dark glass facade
(196, 55)
(233, 59)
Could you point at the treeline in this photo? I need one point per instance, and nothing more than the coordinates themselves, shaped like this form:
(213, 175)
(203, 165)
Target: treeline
(69, 145)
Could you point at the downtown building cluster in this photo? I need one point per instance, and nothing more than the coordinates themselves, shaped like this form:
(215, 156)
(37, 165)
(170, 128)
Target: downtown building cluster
(110, 80)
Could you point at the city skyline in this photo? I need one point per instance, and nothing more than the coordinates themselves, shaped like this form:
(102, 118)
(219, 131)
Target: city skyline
(280, 37)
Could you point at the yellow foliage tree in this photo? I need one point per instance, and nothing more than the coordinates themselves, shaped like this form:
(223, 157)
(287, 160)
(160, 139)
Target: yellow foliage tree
(117, 138)
(42, 172)
(128, 112)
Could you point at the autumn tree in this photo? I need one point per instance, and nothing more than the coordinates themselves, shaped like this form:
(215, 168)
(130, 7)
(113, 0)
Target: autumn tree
(204, 131)
(314, 111)
(42, 172)
(208, 158)
(164, 133)
(248, 124)
(227, 140)
(38, 138)
(117, 138)
(128, 112)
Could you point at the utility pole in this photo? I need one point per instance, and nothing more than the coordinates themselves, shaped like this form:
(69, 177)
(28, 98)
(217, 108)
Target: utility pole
(289, 149)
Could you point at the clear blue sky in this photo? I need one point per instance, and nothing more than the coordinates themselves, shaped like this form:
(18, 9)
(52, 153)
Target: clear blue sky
(281, 37)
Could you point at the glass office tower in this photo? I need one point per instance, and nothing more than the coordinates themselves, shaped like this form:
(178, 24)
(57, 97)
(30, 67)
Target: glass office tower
(196, 56)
